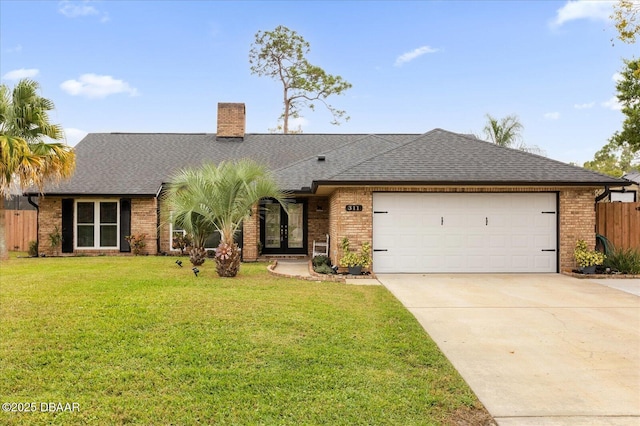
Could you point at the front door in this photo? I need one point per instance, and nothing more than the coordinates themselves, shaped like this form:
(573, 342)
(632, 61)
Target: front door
(283, 232)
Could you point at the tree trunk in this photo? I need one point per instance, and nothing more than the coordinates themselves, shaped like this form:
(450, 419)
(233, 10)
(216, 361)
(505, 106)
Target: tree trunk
(228, 265)
(285, 118)
(4, 253)
(197, 255)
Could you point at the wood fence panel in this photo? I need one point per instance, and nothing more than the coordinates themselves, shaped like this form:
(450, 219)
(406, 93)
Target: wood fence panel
(620, 223)
(20, 228)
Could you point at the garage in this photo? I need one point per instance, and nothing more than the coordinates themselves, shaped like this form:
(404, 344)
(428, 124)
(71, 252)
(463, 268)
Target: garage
(465, 232)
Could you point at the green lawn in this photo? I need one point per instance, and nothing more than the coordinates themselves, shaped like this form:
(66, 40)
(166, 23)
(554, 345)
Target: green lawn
(140, 340)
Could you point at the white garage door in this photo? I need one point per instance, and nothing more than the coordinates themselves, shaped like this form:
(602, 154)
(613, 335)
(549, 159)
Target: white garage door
(480, 232)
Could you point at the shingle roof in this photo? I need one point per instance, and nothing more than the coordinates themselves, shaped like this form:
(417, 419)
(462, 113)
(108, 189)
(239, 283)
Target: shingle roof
(138, 164)
(633, 176)
(443, 157)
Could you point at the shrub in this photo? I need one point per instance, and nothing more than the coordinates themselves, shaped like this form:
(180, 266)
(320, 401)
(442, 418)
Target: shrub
(624, 261)
(33, 249)
(137, 242)
(181, 242)
(321, 260)
(55, 238)
(324, 269)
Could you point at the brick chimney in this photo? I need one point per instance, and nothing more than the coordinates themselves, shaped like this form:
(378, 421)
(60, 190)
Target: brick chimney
(231, 120)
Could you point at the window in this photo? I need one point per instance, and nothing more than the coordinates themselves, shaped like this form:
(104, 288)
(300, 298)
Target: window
(623, 196)
(97, 224)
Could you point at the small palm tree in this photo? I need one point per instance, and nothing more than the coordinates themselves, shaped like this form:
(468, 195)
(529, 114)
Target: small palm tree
(218, 198)
(26, 157)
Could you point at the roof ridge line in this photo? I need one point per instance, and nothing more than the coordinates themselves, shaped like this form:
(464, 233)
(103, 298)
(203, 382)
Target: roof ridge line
(398, 146)
(358, 139)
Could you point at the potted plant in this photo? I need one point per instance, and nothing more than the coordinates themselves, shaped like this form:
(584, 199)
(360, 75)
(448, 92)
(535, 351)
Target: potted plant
(587, 259)
(353, 260)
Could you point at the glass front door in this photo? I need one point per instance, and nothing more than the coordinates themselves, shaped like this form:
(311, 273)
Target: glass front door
(283, 232)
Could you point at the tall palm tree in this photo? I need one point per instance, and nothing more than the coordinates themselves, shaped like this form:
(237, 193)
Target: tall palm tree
(507, 132)
(201, 200)
(27, 155)
(503, 132)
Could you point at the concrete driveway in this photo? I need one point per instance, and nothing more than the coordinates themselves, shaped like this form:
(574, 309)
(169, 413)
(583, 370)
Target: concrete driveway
(537, 349)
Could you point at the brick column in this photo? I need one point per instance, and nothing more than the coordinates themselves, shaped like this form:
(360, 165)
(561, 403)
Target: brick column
(357, 226)
(577, 222)
(251, 235)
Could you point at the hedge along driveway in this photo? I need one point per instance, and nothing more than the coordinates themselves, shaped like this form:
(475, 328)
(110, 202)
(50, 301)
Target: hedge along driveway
(141, 340)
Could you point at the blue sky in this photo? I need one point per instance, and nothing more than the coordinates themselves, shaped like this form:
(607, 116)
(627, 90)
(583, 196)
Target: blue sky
(162, 66)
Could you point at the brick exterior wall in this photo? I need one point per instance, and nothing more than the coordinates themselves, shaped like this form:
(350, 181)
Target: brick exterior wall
(251, 236)
(144, 220)
(49, 217)
(231, 120)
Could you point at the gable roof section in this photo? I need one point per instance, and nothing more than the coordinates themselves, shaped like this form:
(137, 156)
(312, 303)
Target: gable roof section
(137, 164)
(441, 157)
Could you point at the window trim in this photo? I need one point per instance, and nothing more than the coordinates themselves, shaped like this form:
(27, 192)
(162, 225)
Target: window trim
(96, 223)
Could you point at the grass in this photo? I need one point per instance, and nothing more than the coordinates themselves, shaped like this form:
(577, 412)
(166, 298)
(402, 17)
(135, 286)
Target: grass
(138, 340)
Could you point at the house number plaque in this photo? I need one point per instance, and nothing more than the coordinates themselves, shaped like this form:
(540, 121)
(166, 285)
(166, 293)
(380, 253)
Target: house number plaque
(354, 207)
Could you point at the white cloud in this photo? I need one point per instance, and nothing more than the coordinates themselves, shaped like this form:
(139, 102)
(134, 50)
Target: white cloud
(617, 77)
(74, 135)
(410, 56)
(584, 106)
(21, 73)
(613, 104)
(599, 10)
(97, 86)
(552, 115)
(74, 9)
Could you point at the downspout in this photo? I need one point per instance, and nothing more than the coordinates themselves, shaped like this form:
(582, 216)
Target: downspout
(606, 193)
(158, 226)
(37, 219)
(158, 232)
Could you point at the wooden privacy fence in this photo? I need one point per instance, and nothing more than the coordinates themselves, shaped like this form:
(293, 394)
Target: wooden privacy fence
(620, 223)
(20, 228)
